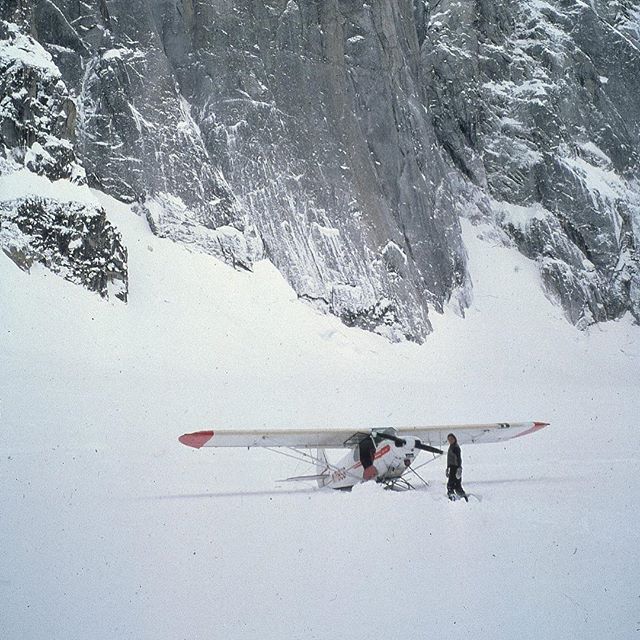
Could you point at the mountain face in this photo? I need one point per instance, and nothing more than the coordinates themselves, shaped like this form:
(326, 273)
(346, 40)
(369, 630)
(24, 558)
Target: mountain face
(542, 115)
(342, 140)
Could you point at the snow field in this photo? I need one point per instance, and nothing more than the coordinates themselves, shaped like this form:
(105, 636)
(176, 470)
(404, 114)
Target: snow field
(111, 529)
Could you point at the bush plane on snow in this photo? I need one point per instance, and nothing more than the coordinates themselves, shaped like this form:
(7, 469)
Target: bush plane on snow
(382, 454)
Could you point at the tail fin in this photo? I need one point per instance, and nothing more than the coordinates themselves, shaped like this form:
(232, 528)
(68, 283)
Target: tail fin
(322, 467)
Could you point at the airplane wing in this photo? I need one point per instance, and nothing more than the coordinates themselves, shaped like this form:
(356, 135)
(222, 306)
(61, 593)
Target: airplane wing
(436, 436)
(294, 438)
(344, 438)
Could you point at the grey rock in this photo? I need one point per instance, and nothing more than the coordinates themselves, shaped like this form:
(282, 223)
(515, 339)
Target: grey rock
(37, 114)
(344, 139)
(315, 113)
(71, 239)
(542, 115)
(37, 124)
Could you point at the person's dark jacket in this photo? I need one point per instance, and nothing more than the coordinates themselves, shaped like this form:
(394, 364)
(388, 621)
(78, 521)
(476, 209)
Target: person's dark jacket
(454, 456)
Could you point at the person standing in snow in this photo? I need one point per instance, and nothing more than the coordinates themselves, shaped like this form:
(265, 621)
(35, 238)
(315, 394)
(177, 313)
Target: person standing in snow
(454, 469)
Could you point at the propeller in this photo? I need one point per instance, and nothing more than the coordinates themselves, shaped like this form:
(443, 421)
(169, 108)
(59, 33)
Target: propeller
(426, 447)
(399, 442)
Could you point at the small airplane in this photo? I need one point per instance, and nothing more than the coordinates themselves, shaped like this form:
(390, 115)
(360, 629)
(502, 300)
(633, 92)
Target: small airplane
(382, 454)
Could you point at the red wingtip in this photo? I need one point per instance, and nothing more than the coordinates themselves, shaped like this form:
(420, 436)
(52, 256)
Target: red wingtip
(536, 427)
(197, 439)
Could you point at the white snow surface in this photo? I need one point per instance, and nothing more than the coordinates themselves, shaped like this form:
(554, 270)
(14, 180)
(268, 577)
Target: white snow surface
(110, 529)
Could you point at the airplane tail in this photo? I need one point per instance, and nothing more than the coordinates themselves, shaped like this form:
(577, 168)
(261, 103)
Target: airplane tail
(322, 467)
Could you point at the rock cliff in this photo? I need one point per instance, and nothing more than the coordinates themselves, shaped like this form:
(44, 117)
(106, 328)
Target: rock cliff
(344, 140)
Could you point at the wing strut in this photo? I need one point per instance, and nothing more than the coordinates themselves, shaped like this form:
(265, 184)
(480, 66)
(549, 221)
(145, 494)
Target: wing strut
(297, 454)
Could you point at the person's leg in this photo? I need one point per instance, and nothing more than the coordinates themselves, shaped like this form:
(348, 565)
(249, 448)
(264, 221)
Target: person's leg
(451, 483)
(458, 487)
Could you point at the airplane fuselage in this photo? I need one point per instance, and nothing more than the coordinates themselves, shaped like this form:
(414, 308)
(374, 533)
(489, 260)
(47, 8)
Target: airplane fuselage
(390, 461)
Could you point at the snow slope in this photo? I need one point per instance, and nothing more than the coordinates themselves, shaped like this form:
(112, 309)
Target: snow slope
(110, 529)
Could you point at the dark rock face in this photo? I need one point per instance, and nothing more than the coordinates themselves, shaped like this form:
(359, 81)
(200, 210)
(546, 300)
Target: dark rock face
(344, 140)
(543, 116)
(37, 119)
(315, 112)
(291, 130)
(71, 239)
(37, 114)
